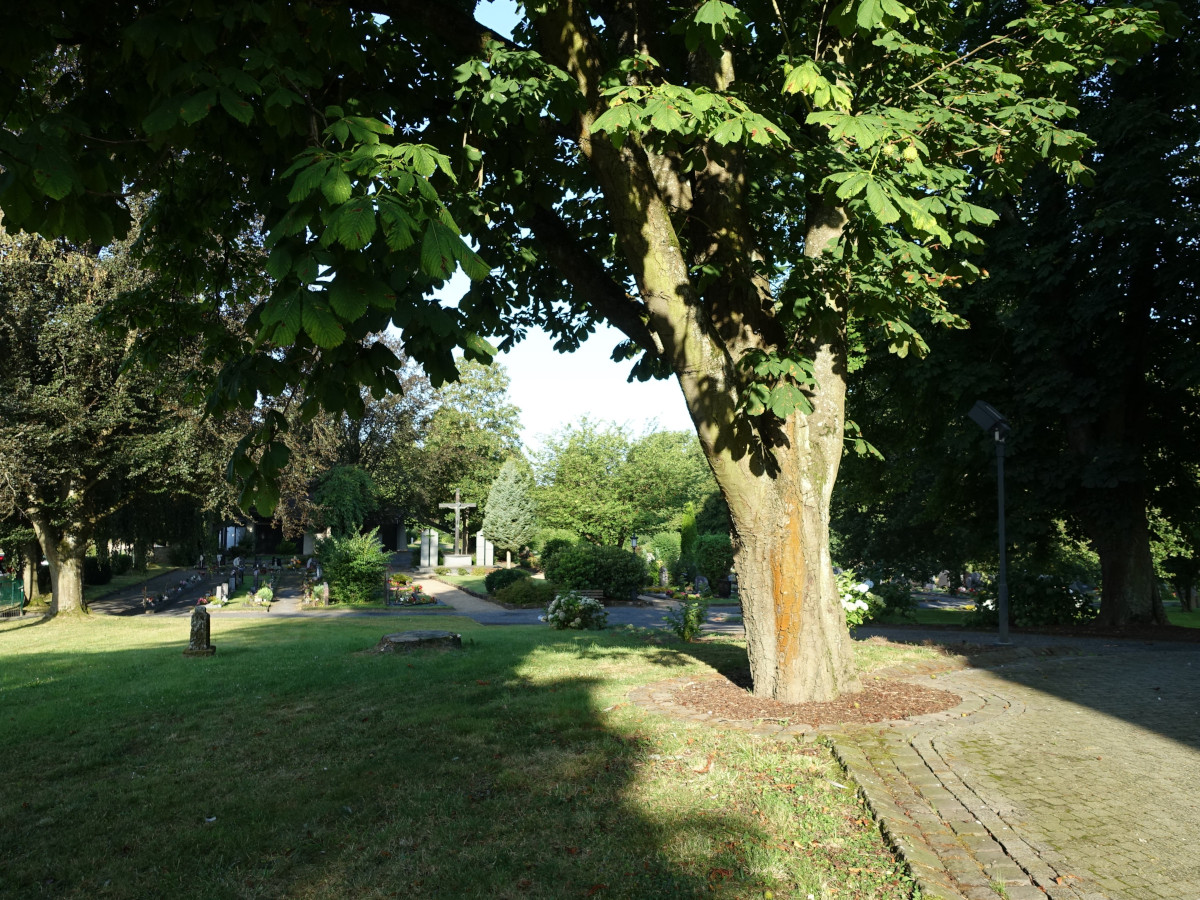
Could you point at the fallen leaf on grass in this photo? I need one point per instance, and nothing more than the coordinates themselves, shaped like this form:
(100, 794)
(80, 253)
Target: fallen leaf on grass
(705, 767)
(595, 889)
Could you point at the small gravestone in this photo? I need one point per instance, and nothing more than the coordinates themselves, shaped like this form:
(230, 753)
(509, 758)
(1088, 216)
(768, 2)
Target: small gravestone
(403, 641)
(664, 577)
(700, 583)
(198, 643)
(724, 588)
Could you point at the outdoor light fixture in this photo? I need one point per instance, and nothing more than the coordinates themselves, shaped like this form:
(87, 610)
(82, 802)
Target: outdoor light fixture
(633, 541)
(991, 420)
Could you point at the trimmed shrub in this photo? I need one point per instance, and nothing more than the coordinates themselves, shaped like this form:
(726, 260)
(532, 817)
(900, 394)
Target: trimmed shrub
(264, 595)
(714, 556)
(96, 572)
(572, 567)
(286, 548)
(502, 578)
(551, 549)
(1033, 601)
(121, 563)
(354, 566)
(621, 573)
(584, 566)
(526, 592)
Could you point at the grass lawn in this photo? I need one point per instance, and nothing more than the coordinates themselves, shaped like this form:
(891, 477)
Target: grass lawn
(1187, 619)
(923, 616)
(470, 582)
(292, 764)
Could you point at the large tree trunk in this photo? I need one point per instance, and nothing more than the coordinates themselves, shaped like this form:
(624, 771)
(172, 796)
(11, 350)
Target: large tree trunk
(1121, 535)
(32, 555)
(64, 551)
(796, 636)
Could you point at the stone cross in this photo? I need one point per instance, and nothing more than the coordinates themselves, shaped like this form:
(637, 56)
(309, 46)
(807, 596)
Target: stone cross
(458, 506)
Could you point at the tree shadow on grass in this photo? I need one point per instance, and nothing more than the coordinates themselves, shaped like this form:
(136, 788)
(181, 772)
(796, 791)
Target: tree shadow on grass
(295, 764)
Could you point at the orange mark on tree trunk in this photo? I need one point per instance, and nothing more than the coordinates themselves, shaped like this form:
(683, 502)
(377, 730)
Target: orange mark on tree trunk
(788, 570)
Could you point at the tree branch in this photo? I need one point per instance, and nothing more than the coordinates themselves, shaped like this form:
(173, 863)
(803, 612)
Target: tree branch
(593, 282)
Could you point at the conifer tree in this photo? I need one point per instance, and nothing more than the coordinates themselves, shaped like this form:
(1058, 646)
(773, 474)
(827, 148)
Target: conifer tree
(511, 518)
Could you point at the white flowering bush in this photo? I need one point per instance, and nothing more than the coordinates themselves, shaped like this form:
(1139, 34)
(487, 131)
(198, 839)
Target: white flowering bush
(859, 603)
(570, 610)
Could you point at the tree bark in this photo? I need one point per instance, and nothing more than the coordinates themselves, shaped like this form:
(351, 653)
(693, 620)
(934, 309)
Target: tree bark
(32, 556)
(64, 551)
(796, 635)
(1121, 535)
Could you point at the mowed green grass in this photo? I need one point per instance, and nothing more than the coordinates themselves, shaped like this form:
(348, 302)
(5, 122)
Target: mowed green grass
(295, 764)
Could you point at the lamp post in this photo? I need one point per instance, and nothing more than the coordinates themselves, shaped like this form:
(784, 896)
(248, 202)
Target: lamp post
(991, 420)
(633, 542)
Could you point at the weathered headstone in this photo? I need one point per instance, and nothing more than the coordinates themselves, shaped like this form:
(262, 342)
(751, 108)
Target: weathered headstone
(419, 640)
(664, 577)
(232, 586)
(198, 642)
(700, 583)
(485, 551)
(429, 548)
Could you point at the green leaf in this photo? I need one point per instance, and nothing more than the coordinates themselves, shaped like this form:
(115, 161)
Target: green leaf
(853, 186)
(398, 225)
(346, 297)
(279, 263)
(236, 106)
(880, 205)
(53, 174)
(266, 497)
(288, 315)
(438, 250)
(283, 97)
(320, 324)
(196, 107)
(786, 398)
(308, 180)
(274, 459)
(355, 224)
(162, 118)
(728, 131)
(336, 185)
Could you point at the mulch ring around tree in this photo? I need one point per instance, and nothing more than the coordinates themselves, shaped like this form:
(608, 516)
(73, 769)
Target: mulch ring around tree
(881, 700)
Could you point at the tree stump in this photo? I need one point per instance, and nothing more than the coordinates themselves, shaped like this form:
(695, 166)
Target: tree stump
(403, 641)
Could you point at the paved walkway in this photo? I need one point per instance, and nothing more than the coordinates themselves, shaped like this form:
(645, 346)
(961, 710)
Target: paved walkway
(1063, 777)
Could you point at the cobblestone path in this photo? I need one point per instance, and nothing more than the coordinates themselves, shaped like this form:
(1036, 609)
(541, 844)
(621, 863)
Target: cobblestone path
(1068, 777)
